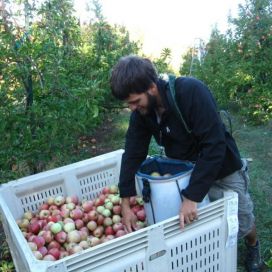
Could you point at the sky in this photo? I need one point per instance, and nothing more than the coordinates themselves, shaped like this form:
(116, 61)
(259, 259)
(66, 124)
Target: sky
(175, 24)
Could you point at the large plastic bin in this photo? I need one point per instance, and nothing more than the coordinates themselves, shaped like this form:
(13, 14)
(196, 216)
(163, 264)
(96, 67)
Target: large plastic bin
(161, 247)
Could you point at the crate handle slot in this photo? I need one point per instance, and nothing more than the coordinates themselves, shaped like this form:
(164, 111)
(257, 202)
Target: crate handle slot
(157, 255)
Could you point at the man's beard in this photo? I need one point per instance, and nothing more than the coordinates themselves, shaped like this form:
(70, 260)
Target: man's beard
(151, 105)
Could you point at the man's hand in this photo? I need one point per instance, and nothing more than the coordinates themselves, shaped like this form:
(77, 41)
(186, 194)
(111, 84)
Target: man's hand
(129, 218)
(188, 212)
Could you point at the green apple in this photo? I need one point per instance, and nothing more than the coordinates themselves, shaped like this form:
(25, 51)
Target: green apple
(155, 174)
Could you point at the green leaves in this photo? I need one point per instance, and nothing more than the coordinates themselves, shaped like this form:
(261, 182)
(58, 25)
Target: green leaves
(237, 65)
(64, 68)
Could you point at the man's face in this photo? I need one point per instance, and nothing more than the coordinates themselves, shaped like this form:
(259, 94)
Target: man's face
(144, 102)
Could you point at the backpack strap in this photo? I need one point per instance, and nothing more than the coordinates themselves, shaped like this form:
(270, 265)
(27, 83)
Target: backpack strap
(171, 95)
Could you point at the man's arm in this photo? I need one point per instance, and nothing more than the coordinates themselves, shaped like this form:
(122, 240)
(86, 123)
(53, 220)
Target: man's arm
(136, 150)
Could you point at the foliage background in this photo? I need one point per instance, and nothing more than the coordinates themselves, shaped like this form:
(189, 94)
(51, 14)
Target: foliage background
(54, 75)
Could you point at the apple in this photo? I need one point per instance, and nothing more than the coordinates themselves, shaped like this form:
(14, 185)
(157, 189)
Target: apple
(28, 215)
(38, 255)
(106, 213)
(140, 224)
(116, 209)
(56, 228)
(32, 246)
(76, 214)
(120, 233)
(84, 244)
(50, 200)
(53, 207)
(115, 199)
(100, 209)
(114, 189)
(34, 227)
(43, 250)
(61, 237)
(108, 205)
(118, 226)
(44, 214)
(24, 224)
(55, 252)
(68, 220)
(49, 257)
(155, 174)
(73, 236)
(100, 219)
(106, 190)
(93, 215)
(94, 241)
(132, 200)
(63, 254)
(141, 215)
(98, 232)
(83, 234)
(48, 236)
(70, 206)
(39, 241)
(79, 224)
(65, 213)
(72, 199)
(107, 221)
(68, 227)
(136, 208)
(140, 200)
(76, 249)
(53, 244)
(44, 206)
(109, 230)
(116, 218)
(59, 200)
(92, 225)
(87, 205)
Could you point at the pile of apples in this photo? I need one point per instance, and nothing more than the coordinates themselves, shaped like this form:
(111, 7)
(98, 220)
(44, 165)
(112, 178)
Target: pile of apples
(64, 225)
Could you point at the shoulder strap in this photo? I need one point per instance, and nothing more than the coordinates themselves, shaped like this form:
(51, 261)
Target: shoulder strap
(171, 95)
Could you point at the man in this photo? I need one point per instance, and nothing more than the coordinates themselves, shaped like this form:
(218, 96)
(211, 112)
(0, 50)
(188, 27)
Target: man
(218, 165)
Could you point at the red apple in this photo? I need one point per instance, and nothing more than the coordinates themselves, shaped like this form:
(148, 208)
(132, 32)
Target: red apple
(87, 206)
(106, 190)
(79, 224)
(93, 215)
(43, 250)
(61, 237)
(141, 215)
(48, 236)
(116, 209)
(39, 241)
(55, 252)
(54, 244)
(76, 214)
(34, 228)
(109, 230)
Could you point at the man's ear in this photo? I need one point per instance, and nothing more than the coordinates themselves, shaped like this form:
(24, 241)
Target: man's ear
(153, 89)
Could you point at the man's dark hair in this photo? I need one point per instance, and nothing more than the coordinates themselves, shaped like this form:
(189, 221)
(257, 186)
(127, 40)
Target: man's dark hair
(132, 74)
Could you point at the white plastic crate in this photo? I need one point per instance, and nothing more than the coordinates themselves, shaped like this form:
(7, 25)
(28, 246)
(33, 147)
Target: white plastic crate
(162, 247)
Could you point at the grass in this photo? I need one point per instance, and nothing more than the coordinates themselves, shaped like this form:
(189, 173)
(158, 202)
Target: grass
(253, 142)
